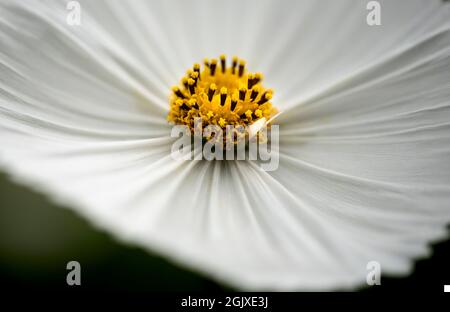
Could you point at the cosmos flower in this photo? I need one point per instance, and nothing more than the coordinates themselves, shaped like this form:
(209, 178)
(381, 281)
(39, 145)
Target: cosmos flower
(364, 171)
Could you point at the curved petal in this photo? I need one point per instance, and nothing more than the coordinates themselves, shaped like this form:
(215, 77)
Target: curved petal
(311, 65)
(82, 114)
(370, 156)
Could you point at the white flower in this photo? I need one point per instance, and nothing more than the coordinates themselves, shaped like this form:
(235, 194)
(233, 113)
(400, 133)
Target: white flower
(364, 169)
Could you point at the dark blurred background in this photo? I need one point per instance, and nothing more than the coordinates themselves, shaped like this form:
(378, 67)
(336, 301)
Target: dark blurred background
(38, 238)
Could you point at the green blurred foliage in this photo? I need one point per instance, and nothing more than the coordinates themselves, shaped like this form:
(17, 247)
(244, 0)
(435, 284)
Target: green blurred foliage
(38, 238)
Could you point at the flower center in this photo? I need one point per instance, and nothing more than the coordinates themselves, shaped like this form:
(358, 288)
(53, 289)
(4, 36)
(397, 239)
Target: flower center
(220, 95)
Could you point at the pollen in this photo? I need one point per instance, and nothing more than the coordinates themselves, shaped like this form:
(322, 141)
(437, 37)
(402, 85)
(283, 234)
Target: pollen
(221, 95)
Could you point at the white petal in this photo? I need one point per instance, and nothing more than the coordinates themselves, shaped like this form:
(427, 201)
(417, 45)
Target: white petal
(370, 156)
(329, 41)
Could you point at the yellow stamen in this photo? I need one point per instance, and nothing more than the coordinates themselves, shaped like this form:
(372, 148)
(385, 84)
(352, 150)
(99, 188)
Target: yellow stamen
(220, 95)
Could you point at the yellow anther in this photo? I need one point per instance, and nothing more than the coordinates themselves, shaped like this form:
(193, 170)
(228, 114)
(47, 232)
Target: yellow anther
(255, 92)
(191, 83)
(212, 67)
(241, 67)
(234, 64)
(223, 95)
(242, 93)
(211, 91)
(223, 63)
(220, 95)
(265, 98)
